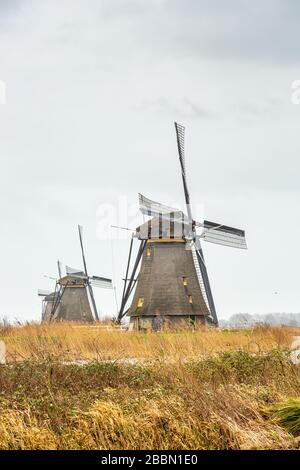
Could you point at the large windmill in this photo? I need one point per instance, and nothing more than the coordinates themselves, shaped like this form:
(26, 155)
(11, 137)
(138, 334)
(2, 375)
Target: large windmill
(172, 287)
(73, 299)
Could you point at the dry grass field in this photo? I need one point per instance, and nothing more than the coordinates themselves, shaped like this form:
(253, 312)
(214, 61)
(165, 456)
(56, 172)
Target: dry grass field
(68, 386)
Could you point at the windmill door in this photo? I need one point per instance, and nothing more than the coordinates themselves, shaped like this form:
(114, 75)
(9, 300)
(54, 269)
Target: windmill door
(137, 324)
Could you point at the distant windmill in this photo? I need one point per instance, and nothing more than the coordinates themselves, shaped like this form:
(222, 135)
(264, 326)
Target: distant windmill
(48, 297)
(74, 297)
(172, 286)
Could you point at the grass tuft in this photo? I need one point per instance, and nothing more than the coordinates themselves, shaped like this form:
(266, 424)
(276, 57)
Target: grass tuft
(288, 415)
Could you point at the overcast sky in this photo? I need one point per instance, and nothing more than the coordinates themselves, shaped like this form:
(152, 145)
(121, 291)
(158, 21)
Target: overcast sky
(92, 90)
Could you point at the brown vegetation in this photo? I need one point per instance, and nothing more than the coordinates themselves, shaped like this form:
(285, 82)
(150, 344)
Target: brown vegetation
(208, 389)
(71, 341)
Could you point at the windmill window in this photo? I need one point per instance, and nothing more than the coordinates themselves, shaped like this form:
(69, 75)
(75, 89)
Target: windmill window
(140, 302)
(190, 299)
(184, 281)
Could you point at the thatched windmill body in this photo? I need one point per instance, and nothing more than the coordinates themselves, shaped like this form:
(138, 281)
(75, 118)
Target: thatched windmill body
(172, 287)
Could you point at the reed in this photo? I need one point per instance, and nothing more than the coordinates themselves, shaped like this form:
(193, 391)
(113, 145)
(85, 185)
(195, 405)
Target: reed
(104, 342)
(208, 389)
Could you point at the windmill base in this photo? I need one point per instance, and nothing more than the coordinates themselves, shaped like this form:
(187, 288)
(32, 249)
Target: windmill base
(166, 322)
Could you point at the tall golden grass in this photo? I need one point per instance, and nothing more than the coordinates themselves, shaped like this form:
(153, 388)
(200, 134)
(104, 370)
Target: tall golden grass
(104, 342)
(208, 389)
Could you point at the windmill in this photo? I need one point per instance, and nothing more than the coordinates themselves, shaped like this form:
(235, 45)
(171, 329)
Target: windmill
(74, 297)
(48, 298)
(172, 286)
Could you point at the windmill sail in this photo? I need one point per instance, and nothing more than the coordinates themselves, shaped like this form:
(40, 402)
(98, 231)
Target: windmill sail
(180, 132)
(80, 230)
(59, 269)
(199, 276)
(224, 235)
(74, 272)
(102, 282)
(43, 293)
(167, 222)
(152, 208)
(195, 244)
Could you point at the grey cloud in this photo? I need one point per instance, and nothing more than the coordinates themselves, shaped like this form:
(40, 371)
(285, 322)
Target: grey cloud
(181, 109)
(261, 109)
(8, 5)
(93, 89)
(236, 29)
(111, 10)
(9, 9)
